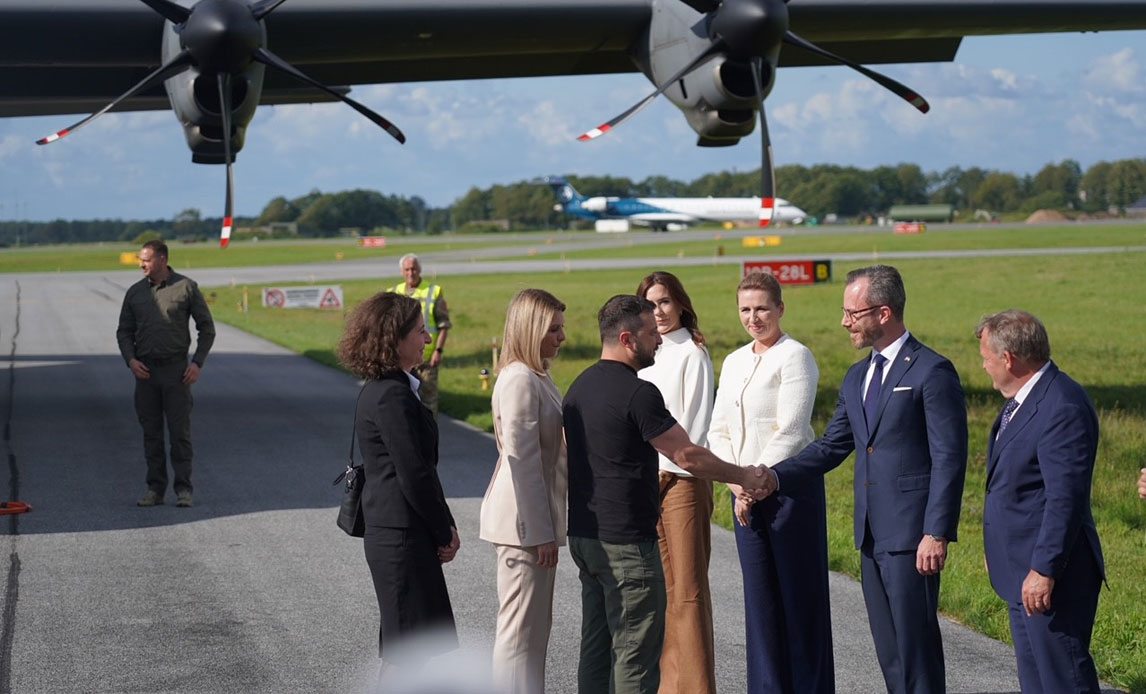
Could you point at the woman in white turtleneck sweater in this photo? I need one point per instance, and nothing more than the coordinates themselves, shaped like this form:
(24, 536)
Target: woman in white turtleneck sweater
(683, 373)
(763, 415)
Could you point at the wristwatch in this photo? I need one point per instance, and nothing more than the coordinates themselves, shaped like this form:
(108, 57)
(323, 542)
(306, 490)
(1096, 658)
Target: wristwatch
(938, 538)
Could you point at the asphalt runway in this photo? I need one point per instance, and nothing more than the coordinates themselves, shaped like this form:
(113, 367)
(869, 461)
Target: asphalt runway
(255, 589)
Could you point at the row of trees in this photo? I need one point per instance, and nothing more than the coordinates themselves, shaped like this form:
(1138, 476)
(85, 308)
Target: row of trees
(847, 191)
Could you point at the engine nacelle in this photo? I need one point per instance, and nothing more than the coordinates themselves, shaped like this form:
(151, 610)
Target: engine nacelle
(718, 97)
(597, 204)
(194, 98)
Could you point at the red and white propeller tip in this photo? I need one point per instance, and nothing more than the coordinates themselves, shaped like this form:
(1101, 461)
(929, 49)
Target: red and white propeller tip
(53, 137)
(767, 208)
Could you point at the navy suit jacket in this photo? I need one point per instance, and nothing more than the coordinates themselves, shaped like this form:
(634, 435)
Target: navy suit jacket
(910, 462)
(1037, 511)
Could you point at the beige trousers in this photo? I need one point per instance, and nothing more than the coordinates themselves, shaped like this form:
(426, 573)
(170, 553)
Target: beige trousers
(688, 661)
(524, 618)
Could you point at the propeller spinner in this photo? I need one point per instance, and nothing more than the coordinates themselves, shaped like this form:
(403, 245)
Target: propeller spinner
(220, 39)
(752, 31)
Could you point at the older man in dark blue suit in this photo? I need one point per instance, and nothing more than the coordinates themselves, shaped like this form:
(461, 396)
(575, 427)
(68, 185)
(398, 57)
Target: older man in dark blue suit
(1042, 547)
(901, 410)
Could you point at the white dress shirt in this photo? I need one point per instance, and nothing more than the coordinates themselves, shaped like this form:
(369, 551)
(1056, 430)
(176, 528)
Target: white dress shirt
(890, 353)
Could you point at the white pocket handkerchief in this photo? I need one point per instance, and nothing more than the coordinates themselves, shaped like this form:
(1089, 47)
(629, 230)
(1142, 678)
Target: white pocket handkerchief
(898, 389)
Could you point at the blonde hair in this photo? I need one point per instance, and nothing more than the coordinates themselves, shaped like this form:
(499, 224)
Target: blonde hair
(527, 321)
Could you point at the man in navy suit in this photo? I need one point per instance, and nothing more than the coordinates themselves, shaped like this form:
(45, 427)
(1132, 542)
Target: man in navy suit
(901, 410)
(1042, 547)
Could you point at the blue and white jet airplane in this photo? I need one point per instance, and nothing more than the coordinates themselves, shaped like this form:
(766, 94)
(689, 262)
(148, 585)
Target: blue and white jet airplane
(664, 214)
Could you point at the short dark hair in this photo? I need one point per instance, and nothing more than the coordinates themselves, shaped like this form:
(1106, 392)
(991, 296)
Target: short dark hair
(762, 281)
(1018, 332)
(885, 287)
(622, 313)
(369, 344)
(679, 297)
(157, 247)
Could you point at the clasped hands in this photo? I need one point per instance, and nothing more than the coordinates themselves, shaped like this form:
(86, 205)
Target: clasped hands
(759, 482)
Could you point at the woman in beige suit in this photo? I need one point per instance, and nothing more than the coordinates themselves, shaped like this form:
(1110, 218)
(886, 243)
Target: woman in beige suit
(523, 512)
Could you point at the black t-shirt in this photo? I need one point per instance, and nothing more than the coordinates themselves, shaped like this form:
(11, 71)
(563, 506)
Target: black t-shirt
(610, 416)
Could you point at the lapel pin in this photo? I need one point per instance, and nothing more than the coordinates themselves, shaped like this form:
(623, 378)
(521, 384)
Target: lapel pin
(907, 359)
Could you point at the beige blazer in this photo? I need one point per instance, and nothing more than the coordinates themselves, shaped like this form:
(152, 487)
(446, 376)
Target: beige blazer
(525, 504)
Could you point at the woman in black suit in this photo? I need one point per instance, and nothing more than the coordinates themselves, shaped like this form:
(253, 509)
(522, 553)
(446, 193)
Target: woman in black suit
(410, 532)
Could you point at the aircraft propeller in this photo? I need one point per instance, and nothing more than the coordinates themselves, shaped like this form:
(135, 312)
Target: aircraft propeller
(752, 31)
(222, 38)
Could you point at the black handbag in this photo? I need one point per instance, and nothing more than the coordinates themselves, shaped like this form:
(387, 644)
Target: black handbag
(350, 517)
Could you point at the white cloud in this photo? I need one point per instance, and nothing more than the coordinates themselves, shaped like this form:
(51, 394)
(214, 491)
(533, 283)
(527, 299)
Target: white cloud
(547, 125)
(11, 145)
(1114, 72)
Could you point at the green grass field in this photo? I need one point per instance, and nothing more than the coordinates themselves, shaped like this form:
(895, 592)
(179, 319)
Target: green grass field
(535, 245)
(106, 256)
(1129, 235)
(1090, 304)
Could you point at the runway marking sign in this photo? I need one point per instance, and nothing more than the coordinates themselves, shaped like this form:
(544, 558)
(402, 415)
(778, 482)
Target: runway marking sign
(793, 271)
(322, 296)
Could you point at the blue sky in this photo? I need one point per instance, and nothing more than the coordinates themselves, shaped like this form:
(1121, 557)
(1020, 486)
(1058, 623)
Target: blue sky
(1013, 103)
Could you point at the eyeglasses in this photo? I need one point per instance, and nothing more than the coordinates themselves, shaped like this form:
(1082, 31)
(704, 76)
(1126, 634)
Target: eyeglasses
(852, 315)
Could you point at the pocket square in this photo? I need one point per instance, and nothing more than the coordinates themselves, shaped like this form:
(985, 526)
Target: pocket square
(899, 389)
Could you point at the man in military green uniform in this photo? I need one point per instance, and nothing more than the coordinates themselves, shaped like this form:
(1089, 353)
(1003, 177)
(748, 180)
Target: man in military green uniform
(437, 317)
(153, 338)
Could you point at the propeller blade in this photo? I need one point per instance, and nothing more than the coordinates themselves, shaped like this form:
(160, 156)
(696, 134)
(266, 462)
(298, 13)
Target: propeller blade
(264, 7)
(173, 67)
(267, 58)
(901, 90)
(224, 80)
(176, 14)
(767, 165)
(636, 108)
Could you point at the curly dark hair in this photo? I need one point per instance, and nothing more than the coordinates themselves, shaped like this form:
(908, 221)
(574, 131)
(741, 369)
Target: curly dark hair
(369, 344)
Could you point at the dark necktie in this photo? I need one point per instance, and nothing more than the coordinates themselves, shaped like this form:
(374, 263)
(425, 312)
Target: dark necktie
(1008, 412)
(872, 398)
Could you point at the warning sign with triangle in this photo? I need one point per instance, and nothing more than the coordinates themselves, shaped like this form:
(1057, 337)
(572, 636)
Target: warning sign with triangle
(330, 299)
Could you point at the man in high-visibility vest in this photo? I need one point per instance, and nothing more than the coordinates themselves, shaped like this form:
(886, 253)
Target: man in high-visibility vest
(437, 317)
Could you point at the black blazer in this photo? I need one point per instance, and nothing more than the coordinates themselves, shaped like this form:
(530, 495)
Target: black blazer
(398, 438)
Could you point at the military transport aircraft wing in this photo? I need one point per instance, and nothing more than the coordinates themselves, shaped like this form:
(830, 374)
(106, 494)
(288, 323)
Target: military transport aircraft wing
(716, 60)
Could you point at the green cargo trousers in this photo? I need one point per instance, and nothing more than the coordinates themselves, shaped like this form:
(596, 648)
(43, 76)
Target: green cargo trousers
(622, 616)
(164, 396)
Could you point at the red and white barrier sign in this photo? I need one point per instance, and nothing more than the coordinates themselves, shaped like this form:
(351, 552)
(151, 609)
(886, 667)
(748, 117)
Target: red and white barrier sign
(325, 296)
(793, 271)
(372, 242)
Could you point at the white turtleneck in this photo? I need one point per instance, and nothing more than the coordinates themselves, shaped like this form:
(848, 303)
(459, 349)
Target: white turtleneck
(683, 374)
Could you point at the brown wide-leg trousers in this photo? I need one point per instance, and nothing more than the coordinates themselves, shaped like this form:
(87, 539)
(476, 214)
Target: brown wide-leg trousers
(688, 661)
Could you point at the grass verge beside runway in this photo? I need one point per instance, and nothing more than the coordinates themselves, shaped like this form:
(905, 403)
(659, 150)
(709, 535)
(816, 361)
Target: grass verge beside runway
(875, 242)
(1092, 306)
(106, 256)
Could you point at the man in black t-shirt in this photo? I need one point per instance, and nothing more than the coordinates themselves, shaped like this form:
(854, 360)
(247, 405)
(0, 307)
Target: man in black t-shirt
(615, 424)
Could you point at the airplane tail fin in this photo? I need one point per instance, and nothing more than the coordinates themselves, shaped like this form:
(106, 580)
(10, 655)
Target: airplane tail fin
(564, 190)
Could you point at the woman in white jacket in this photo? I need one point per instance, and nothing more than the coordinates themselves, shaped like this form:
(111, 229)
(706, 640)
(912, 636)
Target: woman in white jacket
(524, 510)
(763, 415)
(683, 373)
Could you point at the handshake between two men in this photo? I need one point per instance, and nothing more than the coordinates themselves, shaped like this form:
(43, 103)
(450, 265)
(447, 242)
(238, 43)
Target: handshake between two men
(749, 484)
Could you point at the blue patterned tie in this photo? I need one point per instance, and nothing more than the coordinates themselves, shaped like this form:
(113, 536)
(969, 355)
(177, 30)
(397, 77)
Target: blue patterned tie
(872, 398)
(1008, 412)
